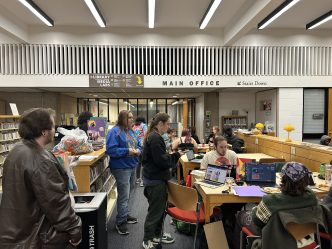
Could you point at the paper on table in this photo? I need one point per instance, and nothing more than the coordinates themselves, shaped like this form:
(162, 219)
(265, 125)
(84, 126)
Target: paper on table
(86, 158)
(249, 191)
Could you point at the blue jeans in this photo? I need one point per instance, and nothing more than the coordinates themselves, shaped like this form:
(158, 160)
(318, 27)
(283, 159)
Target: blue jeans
(125, 181)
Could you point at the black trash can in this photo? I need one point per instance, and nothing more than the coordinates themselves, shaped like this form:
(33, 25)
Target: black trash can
(92, 208)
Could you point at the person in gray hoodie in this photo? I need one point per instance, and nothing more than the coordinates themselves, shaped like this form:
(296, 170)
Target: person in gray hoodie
(325, 140)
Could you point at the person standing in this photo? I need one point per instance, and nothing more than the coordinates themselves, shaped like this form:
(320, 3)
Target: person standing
(124, 148)
(35, 210)
(82, 121)
(156, 163)
(140, 129)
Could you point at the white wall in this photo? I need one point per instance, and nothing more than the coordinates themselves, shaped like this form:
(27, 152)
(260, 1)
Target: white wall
(285, 37)
(6, 38)
(290, 110)
(263, 116)
(126, 36)
(242, 101)
(199, 116)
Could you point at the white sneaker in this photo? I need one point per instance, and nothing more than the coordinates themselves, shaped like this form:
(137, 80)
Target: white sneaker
(148, 245)
(166, 239)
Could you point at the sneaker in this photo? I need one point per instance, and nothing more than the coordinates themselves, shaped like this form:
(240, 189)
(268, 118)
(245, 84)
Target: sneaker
(138, 180)
(141, 184)
(148, 245)
(122, 228)
(131, 220)
(166, 239)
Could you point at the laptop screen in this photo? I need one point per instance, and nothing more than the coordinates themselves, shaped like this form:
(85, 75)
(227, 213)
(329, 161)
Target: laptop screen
(260, 172)
(190, 155)
(215, 173)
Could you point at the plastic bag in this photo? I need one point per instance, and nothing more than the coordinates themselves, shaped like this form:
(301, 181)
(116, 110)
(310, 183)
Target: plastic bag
(74, 141)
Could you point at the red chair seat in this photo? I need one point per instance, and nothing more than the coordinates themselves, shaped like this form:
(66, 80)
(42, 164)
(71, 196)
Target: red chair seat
(186, 216)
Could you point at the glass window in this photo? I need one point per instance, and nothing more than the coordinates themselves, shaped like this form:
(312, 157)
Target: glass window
(142, 110)
(133, 106)
(103, 108)
(172, 109)
(152, 108)
(82, 105)
(93, 107)
(113, 106)
(161, 105)
(123, 104)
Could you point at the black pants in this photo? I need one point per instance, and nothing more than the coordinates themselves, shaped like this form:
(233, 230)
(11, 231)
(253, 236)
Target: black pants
(157, 197)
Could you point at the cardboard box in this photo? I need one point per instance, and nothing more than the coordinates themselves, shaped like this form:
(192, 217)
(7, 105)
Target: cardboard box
(215, 235)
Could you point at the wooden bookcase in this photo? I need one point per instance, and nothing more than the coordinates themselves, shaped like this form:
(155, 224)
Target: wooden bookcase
(93, 175)
(235, 122)
(8, 138)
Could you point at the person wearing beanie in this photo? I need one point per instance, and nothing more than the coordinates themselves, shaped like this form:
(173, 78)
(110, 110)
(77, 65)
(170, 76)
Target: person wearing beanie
(294, 194)
(325, 140)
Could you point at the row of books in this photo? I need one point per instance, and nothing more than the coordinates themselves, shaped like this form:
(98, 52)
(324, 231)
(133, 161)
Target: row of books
(2, 158)
(9, 136)
(235, 121)
(96, 170)
(6, 147)
(7, 125)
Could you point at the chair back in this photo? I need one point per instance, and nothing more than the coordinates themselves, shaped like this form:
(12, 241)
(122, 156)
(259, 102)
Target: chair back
(271, 160)
(182, 197)
(299, 231)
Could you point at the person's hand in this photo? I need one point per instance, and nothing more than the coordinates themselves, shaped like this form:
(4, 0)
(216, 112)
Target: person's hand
(138, 152)
(132, 152)
(75, 243)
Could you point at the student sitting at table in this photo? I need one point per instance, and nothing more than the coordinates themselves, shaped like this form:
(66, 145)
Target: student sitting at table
(236, 142)
(221, 155)
(185, 142)
(295, 194)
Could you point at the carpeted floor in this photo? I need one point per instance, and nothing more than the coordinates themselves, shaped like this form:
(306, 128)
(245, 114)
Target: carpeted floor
(139, 208)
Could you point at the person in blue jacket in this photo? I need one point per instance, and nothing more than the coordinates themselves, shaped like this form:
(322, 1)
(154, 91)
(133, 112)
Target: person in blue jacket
(124, 148)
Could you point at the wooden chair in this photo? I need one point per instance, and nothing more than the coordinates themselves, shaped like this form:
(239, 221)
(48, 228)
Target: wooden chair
(186, 205)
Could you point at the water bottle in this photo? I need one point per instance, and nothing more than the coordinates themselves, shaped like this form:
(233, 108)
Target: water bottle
(322, 171)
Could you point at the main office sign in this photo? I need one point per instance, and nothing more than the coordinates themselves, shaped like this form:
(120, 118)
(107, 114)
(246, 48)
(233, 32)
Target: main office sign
(116, 80)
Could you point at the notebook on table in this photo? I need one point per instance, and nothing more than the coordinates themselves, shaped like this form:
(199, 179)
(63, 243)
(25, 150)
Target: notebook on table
(214, 177)
(191, 157)
(261, 174)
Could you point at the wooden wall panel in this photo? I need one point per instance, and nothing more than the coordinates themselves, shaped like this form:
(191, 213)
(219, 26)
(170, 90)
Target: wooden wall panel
(310, 156)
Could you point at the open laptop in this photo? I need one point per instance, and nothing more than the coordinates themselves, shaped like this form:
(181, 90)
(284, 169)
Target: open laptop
(214, 177)
(261, 174)
(191, 157)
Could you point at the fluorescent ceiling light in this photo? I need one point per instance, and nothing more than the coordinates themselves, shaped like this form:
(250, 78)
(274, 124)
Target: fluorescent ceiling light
(96, 13)
(38, 12)
(152, 9)
(282, 8)
(320, 20)
(209, 13)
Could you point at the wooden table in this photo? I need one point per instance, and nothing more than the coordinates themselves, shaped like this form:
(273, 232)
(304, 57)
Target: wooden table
(256, 156)
(215, 197)
(186, 167)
